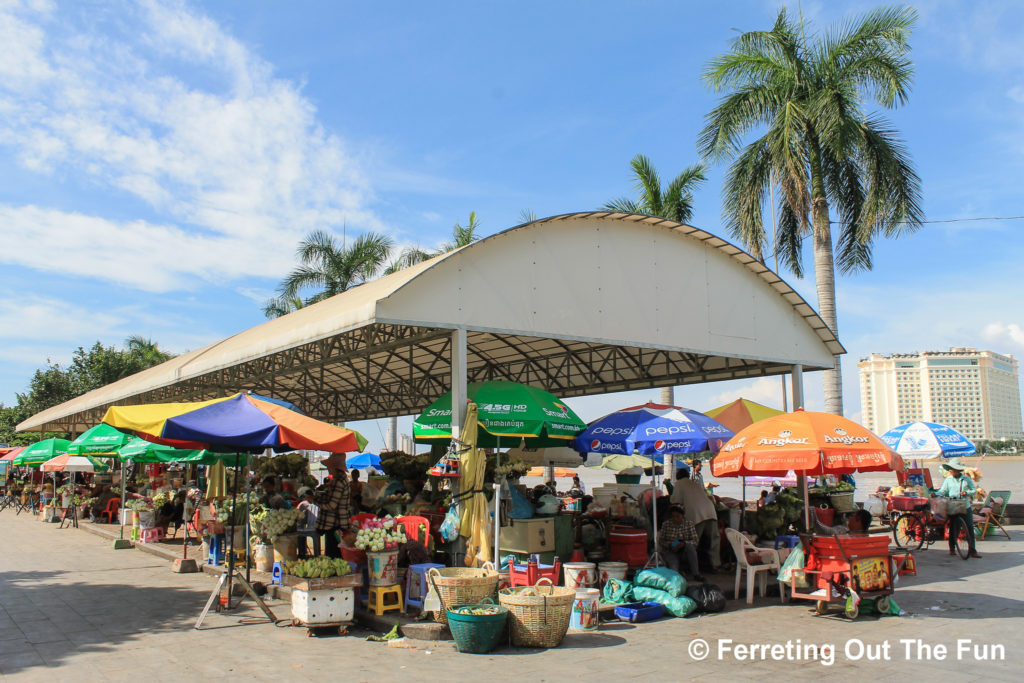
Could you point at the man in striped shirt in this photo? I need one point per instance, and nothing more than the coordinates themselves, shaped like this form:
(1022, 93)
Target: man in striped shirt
(334, 498)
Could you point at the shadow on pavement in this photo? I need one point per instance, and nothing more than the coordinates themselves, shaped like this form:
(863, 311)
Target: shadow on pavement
(950, 605)
(44, 621)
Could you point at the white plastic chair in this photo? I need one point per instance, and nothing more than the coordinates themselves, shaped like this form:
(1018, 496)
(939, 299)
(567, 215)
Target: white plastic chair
(740, 545)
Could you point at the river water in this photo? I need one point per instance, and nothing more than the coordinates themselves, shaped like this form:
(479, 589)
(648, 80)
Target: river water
(997, 474)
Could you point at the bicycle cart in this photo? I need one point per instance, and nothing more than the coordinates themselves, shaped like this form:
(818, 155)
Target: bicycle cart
(924, 521)
(837, 567)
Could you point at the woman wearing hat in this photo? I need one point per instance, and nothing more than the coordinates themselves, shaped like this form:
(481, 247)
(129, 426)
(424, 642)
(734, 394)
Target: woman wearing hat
(957, 485)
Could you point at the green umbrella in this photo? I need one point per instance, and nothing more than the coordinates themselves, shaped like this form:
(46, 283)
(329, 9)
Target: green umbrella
(99, 441)
(140, 450)
(41, 451)
(508, 411)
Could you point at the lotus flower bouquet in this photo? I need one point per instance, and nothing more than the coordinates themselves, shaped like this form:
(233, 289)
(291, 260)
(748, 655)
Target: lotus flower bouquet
(274, 523)
(377, 535)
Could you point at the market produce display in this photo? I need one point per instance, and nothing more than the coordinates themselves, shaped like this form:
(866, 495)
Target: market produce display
(318, 568)
(274, 523)
(376, 535)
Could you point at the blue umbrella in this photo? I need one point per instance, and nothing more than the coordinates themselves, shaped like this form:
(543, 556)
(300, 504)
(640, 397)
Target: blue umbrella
(363, 460)
(653, 430)
(925, 440)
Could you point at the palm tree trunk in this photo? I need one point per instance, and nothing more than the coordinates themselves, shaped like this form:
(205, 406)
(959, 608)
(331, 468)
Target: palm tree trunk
(824, 275)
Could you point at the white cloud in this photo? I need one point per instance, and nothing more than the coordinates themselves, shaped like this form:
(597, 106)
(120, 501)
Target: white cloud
(1003, 335)
(236, 169)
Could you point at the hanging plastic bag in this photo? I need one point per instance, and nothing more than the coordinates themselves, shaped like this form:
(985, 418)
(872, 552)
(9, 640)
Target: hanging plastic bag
(450, 525)
(796, 560)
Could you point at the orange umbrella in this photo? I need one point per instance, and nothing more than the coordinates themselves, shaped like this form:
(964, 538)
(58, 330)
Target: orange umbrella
(559, 472)
(741, 413)
(806, 442)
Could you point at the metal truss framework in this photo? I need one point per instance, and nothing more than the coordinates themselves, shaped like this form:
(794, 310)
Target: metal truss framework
(380, 370)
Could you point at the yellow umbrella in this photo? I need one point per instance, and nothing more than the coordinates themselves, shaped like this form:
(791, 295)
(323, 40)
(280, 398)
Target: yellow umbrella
(216, 481)
(474, 522)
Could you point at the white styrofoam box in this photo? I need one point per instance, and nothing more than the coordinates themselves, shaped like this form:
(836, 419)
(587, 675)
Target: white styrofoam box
(324, 606)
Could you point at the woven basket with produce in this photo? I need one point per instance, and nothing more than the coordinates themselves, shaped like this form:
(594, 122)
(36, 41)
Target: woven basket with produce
(457, 586)
(538, 615)
(477, 628)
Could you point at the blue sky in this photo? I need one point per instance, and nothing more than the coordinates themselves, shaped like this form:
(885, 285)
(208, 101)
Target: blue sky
(160, 161)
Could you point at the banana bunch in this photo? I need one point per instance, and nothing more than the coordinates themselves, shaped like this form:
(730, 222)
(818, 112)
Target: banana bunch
(318, 568)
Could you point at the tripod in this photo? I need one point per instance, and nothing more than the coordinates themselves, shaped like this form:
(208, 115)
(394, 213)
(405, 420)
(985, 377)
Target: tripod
(233, 573)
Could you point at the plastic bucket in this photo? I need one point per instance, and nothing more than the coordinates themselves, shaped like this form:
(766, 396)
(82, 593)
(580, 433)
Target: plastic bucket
(584, 615)
(382, 568)
(612, 570)
(579, 574)
(264, 557)
(827, 516)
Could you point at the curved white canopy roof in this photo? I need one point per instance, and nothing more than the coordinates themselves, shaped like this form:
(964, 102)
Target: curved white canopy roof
(579, 304)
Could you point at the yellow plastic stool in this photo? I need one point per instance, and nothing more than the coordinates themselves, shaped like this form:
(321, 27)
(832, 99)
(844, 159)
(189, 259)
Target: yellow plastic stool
(378, 603)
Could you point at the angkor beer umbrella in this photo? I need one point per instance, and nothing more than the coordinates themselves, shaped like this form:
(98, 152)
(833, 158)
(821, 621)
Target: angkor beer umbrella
(809, 443)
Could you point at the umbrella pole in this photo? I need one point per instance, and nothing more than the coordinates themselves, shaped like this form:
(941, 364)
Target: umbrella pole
(655, 560)
(497, 508)
(743, 510)
(807, 505)
(120, 522)
(231, 542)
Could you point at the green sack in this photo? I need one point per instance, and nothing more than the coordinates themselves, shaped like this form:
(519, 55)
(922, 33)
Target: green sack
(680, 606)
(617, 592)
(664, 579)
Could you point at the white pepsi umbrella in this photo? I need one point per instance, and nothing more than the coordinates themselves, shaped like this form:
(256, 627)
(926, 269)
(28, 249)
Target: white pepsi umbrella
(924, 440)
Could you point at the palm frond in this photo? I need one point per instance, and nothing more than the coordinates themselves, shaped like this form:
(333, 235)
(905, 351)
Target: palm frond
(736, 115)
(648, 184)
(789, 236)
(746, 185)
(302, 277)
(623, 205)
(678, 197)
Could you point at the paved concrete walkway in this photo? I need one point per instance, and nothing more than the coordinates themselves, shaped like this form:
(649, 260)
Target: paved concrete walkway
(73, 609)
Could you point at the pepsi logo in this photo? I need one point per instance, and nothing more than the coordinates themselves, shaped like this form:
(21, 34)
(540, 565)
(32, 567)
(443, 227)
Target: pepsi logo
(595, 444)
(659, 445)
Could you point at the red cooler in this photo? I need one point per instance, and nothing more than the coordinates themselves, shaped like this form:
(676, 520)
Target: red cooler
(629, 546)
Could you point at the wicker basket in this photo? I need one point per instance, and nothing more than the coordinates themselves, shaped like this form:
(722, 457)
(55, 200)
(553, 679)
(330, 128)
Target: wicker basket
(457, 586)
(842, 502)
(538, 620)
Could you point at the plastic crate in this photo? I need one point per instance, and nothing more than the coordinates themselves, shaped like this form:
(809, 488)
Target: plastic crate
(636, 612)
(908, 503)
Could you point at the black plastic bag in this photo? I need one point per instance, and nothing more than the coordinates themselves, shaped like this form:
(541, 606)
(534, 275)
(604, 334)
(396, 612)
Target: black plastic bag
(708, 596)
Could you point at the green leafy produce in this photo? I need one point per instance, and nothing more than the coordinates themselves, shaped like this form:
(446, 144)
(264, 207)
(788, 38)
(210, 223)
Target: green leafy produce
(318, 568)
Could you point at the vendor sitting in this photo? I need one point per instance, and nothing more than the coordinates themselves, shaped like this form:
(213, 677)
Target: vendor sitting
(271, 498)
(678, 538)
(858, 524)
(172, 512)
(102, 499)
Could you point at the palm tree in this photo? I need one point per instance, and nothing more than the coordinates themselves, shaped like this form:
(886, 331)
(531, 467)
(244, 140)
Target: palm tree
(461, 236)
(282, 305)
(674, 202)
(145, 351)
(332, 268)
(819, 147)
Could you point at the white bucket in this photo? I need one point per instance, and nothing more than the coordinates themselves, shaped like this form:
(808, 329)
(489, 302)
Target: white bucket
(579, 574)
(584, 615)
(264, 557)
(612, 570)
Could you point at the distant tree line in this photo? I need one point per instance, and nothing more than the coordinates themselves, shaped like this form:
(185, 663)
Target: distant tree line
(89, 369)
